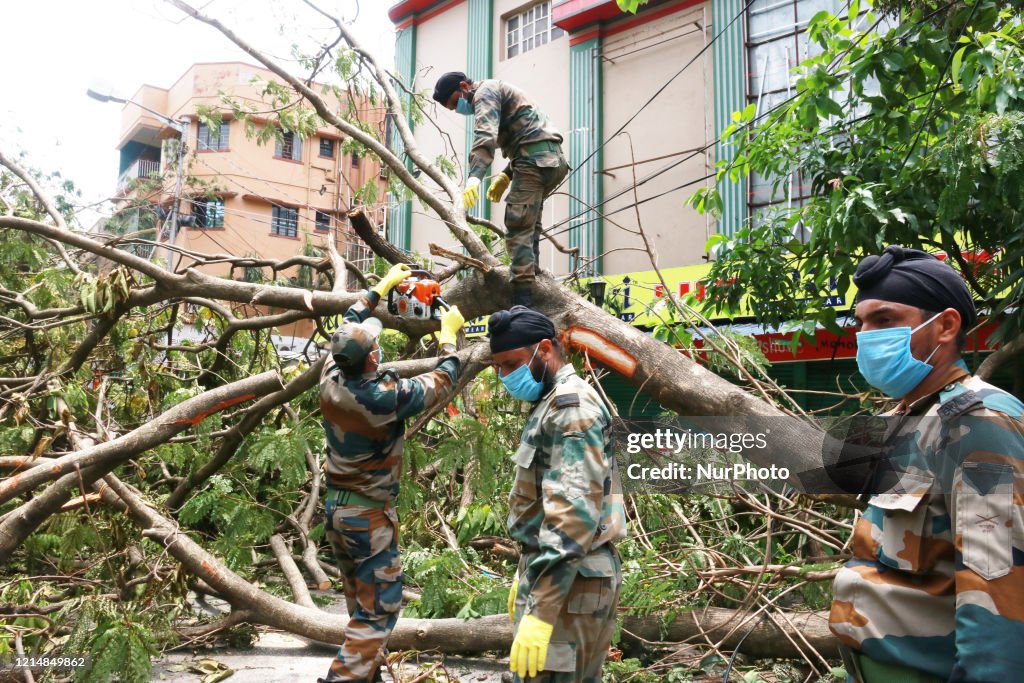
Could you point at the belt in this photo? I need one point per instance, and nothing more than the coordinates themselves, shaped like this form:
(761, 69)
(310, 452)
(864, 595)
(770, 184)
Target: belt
(531, 148)
(870, 670)
(345, 497)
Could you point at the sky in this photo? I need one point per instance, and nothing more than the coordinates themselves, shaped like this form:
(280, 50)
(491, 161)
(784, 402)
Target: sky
(54, 50)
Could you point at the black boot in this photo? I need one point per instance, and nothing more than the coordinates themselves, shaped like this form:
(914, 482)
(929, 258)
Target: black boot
(522, 295)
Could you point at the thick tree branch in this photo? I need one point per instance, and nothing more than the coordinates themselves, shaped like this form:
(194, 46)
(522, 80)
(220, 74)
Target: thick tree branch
(380, 246)
(251, 421)
(182, 416)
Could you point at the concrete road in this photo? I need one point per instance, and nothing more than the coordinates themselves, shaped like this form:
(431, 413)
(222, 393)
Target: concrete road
(283, 658)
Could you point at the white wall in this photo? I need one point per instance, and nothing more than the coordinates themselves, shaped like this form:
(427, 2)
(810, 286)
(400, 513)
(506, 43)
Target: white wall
(441, 46)
(543, 74)
(637, 62)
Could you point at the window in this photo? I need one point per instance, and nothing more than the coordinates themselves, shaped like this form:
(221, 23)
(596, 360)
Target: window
(289, 147)
(284, 221)
(777, 41)
(355, 160)
(530, 29)
(209, 213)
(215, 140)
(323, 221)
(327, 148)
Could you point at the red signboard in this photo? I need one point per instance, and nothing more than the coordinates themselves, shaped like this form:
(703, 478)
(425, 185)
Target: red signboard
(829, 346)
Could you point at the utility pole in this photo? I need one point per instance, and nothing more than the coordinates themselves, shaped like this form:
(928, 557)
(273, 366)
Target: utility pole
(170, 229)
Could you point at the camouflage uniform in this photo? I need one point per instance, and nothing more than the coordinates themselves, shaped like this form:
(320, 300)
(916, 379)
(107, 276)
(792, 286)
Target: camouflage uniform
(936, 582)
(364, 419)
(505, 118)
(566, 512)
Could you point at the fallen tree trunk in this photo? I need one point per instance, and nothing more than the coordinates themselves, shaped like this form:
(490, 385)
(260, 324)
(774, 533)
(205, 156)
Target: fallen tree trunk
(451, 635)
(766, 639)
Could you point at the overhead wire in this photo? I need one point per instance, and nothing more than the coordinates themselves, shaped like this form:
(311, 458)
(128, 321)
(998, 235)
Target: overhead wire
(697, 152)
(658, 92)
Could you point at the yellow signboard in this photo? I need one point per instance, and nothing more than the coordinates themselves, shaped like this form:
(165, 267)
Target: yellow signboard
(640, 298)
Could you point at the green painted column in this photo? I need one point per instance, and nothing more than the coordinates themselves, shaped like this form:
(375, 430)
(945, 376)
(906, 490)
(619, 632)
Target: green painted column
(400, 219)
(586, 188)
(730, 96)
(479, 66)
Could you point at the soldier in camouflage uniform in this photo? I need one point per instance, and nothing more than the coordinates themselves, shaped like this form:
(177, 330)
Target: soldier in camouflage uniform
(504, 117)
(566, 508)
(364, 412)
(935, 589)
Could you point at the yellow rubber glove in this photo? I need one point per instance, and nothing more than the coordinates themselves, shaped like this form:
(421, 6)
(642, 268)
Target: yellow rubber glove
(530, 648)
(398, 272)
(471, 195)
(451, 323)
(498, 187)
(512, 598)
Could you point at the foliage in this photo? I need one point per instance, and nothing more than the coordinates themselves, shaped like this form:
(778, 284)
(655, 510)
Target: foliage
(120, 644)
(905, 135)
(631, 6)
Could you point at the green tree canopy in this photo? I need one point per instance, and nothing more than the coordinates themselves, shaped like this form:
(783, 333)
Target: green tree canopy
(907, 132)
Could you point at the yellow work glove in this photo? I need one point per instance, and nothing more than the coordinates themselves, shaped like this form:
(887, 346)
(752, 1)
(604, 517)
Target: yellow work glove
(512, 598)
(398, 272)
(530, 648)
(498, 187)
(451, 323)
(471, 195)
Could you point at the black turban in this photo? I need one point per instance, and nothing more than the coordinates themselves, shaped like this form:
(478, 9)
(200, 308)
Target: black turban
(518, 327)
(914, 278)
(447, 84)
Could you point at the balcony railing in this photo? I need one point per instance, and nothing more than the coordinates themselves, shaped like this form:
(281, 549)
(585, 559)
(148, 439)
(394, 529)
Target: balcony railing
(140, 168)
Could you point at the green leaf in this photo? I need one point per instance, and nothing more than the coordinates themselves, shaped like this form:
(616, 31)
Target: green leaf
(958, 59)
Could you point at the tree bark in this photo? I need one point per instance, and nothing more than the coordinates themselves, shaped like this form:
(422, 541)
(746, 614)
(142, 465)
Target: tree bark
(1001, 355)
(233, 439)
(176, 419)
(291, 571)
(766, 639)
(380, 246)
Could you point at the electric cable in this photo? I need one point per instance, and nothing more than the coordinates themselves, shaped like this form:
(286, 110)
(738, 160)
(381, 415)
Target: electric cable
(658, 92)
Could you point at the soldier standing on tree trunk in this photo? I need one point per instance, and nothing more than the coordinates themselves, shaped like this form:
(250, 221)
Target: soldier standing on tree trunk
(504, 117)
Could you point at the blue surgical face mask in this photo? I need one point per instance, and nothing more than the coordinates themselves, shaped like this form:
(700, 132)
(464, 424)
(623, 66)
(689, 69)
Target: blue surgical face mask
(520, 382)
(464, 107)
(380, 356)
(885, 360)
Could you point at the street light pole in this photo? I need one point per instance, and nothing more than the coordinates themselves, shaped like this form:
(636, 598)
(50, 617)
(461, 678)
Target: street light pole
(171, 223)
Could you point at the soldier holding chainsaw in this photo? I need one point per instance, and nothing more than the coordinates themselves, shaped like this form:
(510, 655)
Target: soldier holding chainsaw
(364, 412)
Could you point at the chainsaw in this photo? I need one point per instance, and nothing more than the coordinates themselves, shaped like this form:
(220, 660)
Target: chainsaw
(417, 297)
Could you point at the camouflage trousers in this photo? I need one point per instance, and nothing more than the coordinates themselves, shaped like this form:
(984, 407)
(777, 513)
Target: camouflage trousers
(365, 545)
(583, 631)
(524, 212)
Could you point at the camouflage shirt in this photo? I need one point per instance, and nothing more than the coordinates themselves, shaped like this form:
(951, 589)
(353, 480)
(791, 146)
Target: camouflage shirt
(566, 503)
(505, 118)
(936, 581)
(364, 417)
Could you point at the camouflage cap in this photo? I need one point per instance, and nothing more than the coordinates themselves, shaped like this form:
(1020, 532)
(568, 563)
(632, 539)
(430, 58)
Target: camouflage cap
(352, 342)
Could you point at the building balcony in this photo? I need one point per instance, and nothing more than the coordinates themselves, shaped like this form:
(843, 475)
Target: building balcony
(140, 168)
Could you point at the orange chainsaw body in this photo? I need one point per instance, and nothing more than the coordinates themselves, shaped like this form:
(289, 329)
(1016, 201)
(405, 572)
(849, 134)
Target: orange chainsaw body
(417, 297)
